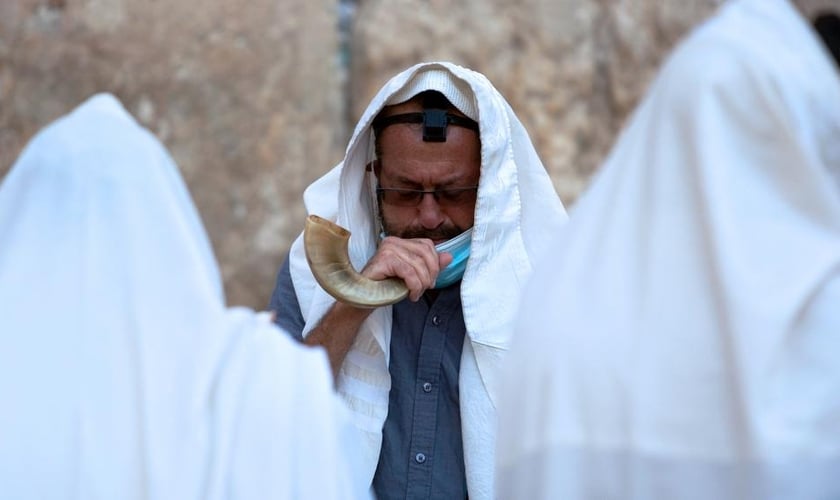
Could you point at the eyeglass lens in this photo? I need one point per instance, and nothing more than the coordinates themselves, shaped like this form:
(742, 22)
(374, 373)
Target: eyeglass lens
(413, 197)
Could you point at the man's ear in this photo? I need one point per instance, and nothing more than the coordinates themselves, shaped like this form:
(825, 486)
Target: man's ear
(374, 166)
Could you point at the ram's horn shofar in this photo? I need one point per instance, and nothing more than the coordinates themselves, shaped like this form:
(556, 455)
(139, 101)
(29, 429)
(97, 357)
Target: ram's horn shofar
(326, 251)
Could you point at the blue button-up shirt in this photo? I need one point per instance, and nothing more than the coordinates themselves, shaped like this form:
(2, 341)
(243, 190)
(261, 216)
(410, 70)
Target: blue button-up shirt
(422, 452)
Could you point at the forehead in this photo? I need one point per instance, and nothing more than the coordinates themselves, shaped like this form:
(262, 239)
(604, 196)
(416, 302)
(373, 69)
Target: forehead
(403, 153)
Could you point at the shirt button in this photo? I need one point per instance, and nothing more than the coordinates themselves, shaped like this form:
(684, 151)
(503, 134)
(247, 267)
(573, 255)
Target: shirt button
(427, 387)
(419, 458)
(436, 320)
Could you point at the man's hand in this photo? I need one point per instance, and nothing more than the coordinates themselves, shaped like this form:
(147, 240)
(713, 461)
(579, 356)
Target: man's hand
(415, 261)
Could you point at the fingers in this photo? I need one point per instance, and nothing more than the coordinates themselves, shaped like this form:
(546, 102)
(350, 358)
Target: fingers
(444, 259)
(415, 261)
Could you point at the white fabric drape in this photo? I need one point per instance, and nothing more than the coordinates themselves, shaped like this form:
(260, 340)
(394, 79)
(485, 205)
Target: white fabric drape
(682, 339)
(122, 374)
(517, 210)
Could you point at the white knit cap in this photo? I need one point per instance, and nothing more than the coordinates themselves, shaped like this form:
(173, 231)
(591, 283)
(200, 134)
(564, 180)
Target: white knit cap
(457, 91)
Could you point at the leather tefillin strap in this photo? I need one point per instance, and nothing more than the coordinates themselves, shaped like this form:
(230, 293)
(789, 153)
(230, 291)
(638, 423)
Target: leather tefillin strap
(434, 122)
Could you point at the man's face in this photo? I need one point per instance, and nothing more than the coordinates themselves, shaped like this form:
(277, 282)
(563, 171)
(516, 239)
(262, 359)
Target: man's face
(407, 162)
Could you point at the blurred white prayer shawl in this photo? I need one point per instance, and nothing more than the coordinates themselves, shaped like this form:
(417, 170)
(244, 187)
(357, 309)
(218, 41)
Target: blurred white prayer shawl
(122, 373)
(682, 339)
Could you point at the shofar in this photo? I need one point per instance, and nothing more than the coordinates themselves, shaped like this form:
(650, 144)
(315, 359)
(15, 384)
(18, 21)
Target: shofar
(326, 251)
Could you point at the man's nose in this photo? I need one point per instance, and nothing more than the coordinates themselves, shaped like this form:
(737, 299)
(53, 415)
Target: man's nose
(430, 214)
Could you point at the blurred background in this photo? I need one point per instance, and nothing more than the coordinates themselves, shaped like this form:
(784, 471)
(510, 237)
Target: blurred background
(255, 99)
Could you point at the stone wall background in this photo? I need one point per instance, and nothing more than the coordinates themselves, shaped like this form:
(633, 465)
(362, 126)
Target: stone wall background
(256, 99)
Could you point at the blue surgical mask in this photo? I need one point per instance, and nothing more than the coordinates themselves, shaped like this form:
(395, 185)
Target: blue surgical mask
(459, 247)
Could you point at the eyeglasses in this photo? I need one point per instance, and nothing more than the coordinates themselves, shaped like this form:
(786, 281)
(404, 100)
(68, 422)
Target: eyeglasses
(412, 197)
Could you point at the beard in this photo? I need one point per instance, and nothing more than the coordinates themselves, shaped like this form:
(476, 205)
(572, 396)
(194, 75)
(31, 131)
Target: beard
(445, 231)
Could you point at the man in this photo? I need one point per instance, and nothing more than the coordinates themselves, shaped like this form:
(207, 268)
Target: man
(681, 340)
(437, 153)
(122, 373)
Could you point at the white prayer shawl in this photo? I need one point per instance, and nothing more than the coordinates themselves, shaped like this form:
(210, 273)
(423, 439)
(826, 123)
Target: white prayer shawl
(122, 374)
(517, 210)
(682, 340)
